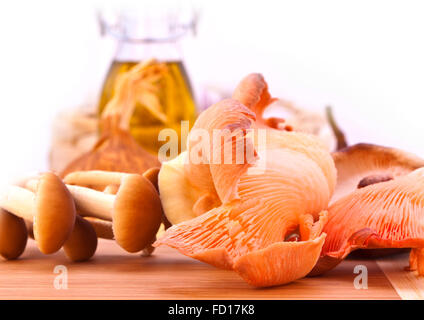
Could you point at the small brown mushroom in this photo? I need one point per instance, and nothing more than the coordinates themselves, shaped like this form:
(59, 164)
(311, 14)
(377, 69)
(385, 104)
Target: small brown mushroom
(104, 230)
(51, 209)
(82, 243)
(135, 210)
(152, 175)
(107, 181)
(13, 235)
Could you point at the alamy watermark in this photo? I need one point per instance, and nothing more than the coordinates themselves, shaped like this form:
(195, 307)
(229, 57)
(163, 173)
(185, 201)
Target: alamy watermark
(361, 280)
(60, 281)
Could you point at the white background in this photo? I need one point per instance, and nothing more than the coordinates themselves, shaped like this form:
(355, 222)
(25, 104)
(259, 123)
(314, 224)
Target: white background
(366, 58)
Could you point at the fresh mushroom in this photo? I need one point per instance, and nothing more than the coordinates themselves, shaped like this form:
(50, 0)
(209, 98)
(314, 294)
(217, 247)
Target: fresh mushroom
(13, 235)
(82, 243)
(135, 210)
(102, 228)
(361, 165)
(50, 208)
(152, 175)
(107, 181)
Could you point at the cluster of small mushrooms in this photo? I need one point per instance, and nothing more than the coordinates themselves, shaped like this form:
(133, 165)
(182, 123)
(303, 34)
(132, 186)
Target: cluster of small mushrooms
(99, 194)
(74, 212)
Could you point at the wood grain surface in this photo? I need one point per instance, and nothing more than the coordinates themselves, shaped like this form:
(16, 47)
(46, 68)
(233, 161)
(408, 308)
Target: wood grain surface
(408, 285)
(115, 274)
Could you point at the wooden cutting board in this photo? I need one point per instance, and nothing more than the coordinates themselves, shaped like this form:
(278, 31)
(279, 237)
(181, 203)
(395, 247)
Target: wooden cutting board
(115, 274)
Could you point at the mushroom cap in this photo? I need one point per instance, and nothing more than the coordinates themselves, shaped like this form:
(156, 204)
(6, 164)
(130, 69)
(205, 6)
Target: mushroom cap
(363, 160)
(82, 243)
(152, 175)
(55, 213)
(380, 216)
(137, 213)
(13, 235)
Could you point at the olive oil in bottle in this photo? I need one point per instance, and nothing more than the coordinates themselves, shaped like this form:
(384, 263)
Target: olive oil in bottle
(175, 96)
(141, 34)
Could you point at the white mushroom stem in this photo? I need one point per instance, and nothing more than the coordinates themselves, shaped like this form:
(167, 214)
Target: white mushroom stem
(88, 202)
(19, 201)
(93, 203)
(103, 228)
(95, 178)
(111, 189)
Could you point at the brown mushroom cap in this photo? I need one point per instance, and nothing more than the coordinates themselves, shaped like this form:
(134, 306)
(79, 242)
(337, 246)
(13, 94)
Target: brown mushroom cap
(152, 175)
(55, 213)
(360, 161)
(13, 235)
(137, 213)
(82, 243)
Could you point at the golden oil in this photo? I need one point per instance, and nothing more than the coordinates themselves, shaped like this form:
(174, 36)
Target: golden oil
(175, 96)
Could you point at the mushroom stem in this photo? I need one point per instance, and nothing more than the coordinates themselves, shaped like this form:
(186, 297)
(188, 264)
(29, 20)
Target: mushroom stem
(340, 136)
(88, 202)
(19, 201)
(103, 228)
(111, 189)
(92, 203)
(95, 178)
(49, 207)
(135, 209)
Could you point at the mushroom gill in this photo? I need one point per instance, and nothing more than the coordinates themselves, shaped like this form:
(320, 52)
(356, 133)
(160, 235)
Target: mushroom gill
(388, 214)
(363, 164)
(252, 207)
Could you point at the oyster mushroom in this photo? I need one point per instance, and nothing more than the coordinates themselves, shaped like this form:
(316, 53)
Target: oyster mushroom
(253, 92)
(186, 201)
(50, 208)
(364, 164)
(383, 215)
(252, 208)
(359, 167)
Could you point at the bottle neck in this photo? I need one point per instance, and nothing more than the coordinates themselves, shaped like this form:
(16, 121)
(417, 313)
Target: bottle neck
(135, 52)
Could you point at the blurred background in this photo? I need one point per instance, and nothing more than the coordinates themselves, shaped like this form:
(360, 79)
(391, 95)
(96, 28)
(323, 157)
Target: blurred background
(364, 58)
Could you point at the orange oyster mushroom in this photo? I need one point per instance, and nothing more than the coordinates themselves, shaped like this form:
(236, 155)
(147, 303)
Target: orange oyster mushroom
(358, 167)
(364, 164)
(243, 216)
(388, 214)
(252, 91)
